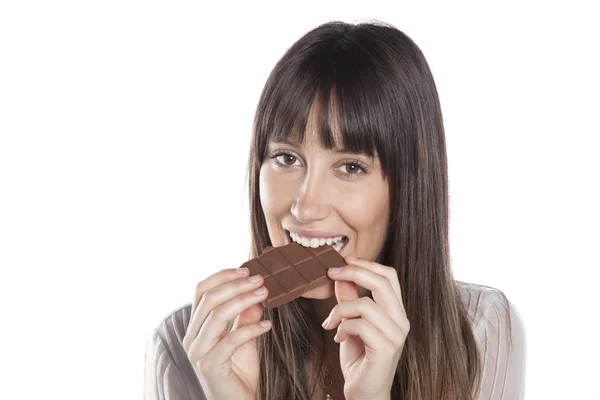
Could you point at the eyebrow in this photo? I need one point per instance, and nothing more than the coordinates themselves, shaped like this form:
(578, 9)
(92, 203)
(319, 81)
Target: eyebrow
(336, 150)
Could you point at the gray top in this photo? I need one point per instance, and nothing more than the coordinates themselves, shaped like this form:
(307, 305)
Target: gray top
(169, 374)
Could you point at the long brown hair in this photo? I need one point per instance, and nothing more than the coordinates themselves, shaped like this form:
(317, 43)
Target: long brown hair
(385, 98)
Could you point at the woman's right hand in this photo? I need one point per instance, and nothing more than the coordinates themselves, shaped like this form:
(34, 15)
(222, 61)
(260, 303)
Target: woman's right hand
(227, 362)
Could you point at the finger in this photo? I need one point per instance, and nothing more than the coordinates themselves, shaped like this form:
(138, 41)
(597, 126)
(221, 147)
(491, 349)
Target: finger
(371, 337)
(215, 324)
(345, 291)
(215, 280)
(216, 296)
(249, 316)
(386, 271)
(226, 347)
(366, 309)
(379, 285)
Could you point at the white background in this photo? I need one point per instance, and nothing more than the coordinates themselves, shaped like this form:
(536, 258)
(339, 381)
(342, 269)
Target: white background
(124, 131)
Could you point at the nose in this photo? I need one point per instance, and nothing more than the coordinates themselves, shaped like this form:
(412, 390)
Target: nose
(311, 202)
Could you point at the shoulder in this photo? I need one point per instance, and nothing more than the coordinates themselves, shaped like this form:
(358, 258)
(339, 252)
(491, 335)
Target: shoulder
(500, 335)
(172, 327)
(490, 310)
(169, 373)
(483, 302)
(168, 334)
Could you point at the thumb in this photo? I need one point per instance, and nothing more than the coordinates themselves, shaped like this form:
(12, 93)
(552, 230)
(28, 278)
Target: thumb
(249, 316)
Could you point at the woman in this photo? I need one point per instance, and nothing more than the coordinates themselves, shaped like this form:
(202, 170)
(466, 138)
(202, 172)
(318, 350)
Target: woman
(348, 142)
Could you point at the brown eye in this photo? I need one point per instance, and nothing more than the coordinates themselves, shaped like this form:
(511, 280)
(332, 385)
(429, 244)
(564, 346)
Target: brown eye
(284, 160)
(288, 159)
(352, 169)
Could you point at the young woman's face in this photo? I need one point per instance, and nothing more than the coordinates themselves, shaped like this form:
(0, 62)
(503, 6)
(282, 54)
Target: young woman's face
(317, 193)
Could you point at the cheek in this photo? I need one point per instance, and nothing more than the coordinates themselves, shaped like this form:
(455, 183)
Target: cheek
(380, 205)
(367, 212)
(271, 193)
(263, 184)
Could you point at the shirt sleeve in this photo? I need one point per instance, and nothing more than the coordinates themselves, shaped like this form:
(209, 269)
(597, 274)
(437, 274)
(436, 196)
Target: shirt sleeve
(163, 380)
(501, 342)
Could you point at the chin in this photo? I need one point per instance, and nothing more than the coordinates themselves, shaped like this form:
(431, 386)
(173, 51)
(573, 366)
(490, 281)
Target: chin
(323, 292)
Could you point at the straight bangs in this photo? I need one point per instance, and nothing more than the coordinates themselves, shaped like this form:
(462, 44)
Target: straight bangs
(355, 104)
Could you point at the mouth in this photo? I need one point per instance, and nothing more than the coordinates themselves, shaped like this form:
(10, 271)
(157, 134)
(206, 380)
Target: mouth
(340, 246)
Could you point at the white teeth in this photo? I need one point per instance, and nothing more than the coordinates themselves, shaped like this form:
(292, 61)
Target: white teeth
(337, 242)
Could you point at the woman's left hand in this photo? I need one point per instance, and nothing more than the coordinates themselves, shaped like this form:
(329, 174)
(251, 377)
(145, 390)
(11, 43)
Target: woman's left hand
(371, 333)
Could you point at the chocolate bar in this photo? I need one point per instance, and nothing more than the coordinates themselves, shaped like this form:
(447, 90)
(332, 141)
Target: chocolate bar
(292, 270)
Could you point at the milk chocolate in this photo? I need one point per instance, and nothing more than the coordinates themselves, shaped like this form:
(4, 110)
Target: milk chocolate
(292, 270)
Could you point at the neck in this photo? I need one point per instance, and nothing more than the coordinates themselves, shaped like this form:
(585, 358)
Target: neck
(324, 306)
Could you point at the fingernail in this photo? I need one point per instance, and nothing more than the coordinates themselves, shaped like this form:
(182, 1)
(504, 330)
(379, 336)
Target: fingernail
(351, 258)
(334, 270)
(260, 291)
(326, 322)
(241, 271)
(254, 278)
(265, 323)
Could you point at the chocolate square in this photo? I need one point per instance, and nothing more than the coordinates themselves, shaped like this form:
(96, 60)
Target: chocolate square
(293, 269)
